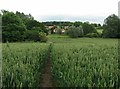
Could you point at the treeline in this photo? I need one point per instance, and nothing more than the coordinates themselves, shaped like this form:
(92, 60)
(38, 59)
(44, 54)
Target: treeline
(20, 27)
(77, 23)
(110, 28)
(77, 29)
(57, 23)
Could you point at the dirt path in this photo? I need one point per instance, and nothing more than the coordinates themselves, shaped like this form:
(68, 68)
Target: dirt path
(47, 75)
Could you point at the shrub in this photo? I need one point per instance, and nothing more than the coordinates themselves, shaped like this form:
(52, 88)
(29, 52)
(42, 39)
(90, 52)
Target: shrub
(92, 35)
(111, 27)
(58, 31)
(75, 32)
(32, 35)
(43, 37)
(88, 28)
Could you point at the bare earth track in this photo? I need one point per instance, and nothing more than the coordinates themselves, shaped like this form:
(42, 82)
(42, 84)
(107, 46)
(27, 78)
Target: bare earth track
(47, 75)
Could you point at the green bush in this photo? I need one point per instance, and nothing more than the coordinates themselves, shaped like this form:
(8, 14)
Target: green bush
(75, 32)
(92, 35)
(111, 27)
(31, 35)
(43, 37)
(58, 31)
(18, 27)
(88, 28)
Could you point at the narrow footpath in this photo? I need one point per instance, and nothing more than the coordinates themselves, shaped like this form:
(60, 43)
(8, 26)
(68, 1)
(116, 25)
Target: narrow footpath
(47, 75)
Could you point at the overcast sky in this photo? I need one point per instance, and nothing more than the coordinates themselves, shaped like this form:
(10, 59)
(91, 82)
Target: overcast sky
(64, 10)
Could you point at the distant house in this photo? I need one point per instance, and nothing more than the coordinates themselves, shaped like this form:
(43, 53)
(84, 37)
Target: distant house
(52, 29)
(63, 30)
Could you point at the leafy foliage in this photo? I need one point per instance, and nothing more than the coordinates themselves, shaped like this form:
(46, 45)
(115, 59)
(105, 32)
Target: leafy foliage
(87, 28)
(58, 30)
(111, 27)
(43, 37)
(15, 26)
(31, 35)
(92, 35)
(75, 32)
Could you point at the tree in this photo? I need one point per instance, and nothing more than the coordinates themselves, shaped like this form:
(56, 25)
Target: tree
(12, 26)
(87, 28)
(111, 27)
(58, 31)
(31, 24)
(16, 25)
(34, 35)
(31, 35)
(77, 24)
(25, 18)
(37, 29)
(94, 25)
(43, 37)
(91, 35)
(75, 32)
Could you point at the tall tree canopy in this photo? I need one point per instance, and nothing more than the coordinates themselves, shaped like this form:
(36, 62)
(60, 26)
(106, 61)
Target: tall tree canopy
(88, 28)
(111, 26)
(15, 26)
